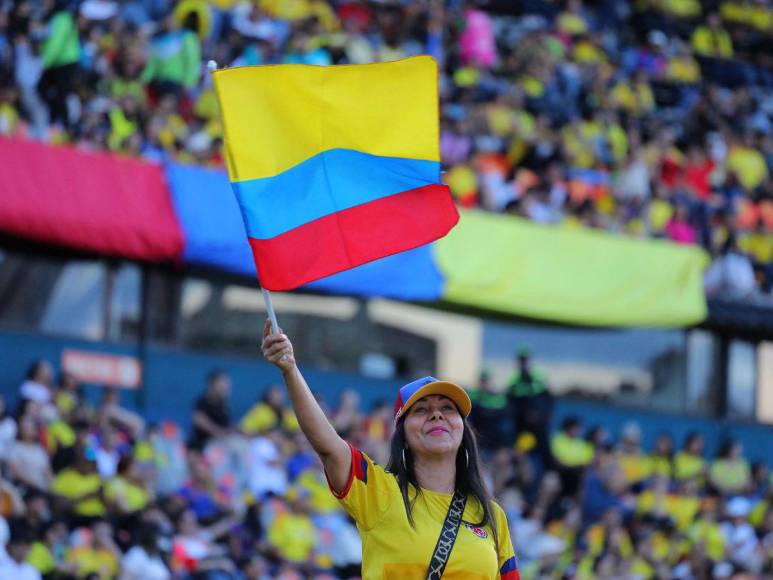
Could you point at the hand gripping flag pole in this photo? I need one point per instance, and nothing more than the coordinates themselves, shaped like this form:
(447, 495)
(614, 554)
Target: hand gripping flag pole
(212, 67)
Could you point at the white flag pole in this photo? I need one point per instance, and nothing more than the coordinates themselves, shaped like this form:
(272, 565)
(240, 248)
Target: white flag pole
(270, 310)
(212, 67)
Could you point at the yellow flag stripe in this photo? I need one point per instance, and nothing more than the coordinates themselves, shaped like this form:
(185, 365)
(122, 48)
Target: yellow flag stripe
(276, 117)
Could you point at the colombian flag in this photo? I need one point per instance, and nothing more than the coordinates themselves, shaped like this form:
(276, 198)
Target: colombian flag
(334, 166)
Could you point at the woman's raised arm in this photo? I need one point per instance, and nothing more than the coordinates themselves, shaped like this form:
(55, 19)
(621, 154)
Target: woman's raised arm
(331, 448)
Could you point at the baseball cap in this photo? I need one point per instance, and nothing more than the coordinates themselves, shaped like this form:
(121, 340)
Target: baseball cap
(412, 392)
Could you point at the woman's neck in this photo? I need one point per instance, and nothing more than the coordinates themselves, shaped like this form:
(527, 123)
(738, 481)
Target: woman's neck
(436, 473)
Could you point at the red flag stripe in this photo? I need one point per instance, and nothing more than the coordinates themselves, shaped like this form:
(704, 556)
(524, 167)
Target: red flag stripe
(354, 236)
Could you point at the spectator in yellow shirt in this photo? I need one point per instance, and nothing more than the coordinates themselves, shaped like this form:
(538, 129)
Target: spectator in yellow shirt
(634, 96)
(705, 533)
(747, 163)
(682, 68)
(730, 473)
(636, 466)
(79, 488)
(589, 51)
(662, 458)
(711, 39)
(572, 22)
(759, 244)
(311, 483)
(127, 492)
(293, 534)
(68, 397)
(268, 413)
(96, 555)
(609, 533)
(689, 462)
(571, 454)
(46, 553)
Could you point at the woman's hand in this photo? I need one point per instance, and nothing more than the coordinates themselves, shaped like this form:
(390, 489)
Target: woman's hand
(334, 452)
(277, 349)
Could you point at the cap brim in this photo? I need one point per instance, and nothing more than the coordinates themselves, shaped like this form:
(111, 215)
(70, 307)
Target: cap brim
(451, 390)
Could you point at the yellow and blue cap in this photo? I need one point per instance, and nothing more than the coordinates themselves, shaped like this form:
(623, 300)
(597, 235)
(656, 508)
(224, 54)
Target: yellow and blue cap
(412, 392)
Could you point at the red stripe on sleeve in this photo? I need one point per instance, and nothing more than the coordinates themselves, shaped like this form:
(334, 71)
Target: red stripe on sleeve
(355, 467)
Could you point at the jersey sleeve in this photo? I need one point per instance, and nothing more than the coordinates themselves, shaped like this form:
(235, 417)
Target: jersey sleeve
(508, 563)
(366, 496)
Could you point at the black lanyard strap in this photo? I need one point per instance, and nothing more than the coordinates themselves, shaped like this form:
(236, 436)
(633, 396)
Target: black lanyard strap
(445, 542)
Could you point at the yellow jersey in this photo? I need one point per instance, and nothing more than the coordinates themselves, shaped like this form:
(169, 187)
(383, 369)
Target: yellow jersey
(294, 535)
(72, 484)
(134, 497)
(99, 561)
(393, 549)
(41, 558)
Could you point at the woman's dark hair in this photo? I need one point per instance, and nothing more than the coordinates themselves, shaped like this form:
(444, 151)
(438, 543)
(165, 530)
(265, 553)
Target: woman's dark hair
(191, 22)
(468, 477)
(665, 435)
(147, 537)
(691, 438)
(594, 433)
(34, 369)
(124, 464)
(726, 447)
(570, 423)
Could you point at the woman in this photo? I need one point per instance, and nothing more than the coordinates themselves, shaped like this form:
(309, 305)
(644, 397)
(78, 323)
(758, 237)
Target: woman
(402, 510)
(28, 461)
(127, 492)
(689, 462)
(143, 561)
(730, 473)
(194, 549)
(37, 385)
(7, 430)
(662, 458)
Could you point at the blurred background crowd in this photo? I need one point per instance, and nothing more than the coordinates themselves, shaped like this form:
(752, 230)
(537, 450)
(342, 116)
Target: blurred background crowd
(645, 118)
(648, 118)
(93, 491)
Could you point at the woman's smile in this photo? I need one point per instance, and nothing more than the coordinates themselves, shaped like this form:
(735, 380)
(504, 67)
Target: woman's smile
(437, 430)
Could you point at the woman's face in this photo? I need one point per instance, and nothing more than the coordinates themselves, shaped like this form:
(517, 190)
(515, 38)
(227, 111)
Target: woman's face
(275, 397)
(44, 373)
(27, 430)
(188, 524)
(663, 445)
(434, 426)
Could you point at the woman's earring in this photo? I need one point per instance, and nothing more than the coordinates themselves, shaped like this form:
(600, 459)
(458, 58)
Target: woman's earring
(466, 458)
(405, 463)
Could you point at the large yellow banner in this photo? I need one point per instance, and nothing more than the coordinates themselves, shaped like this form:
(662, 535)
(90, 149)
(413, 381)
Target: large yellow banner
(569, 275)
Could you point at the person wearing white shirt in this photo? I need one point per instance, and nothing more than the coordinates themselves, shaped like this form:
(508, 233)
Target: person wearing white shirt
(741, 542)
(37, 387)
(7, 430)
(267, 471)
(13, 564)
(731, 274)
(143, 561)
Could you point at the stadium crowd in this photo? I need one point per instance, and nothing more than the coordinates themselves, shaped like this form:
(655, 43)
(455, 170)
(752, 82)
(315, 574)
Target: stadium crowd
(93, 491)
(646, 118)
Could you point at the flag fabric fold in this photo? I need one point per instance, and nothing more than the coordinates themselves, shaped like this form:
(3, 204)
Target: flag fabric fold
(334, 167)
